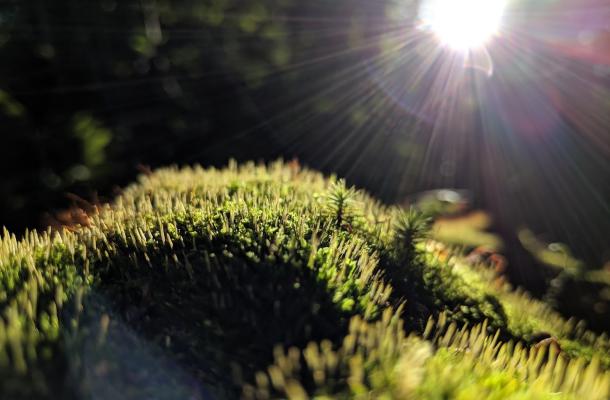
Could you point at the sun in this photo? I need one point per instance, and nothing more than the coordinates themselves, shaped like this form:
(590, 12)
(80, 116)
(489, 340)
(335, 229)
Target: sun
(463, 24)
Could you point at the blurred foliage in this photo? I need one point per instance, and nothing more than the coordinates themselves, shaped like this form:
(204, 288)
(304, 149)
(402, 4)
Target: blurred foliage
(555, 255)
(10, 106)
(470, 230)
(454, 222)
(574, 288)
(94, 137)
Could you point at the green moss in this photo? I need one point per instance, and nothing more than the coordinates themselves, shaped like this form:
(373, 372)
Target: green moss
(193, 281)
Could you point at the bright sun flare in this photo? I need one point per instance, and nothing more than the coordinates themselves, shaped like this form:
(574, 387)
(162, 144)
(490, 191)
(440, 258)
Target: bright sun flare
(463, 24)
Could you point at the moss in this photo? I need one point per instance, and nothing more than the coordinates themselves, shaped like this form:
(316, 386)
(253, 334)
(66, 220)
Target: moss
(264, 282)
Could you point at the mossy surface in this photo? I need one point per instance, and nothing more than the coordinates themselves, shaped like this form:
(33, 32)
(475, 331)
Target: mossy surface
(272, 282)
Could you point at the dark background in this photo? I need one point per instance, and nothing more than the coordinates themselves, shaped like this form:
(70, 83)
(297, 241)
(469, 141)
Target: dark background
(90, 90)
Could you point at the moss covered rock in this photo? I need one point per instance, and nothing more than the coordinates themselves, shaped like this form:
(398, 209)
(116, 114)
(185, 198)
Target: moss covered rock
(272, 282)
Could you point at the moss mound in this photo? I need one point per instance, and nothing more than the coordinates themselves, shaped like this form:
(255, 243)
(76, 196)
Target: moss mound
(272, 282)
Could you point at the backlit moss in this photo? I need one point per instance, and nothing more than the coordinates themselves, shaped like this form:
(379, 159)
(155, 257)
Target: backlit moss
(194, 282)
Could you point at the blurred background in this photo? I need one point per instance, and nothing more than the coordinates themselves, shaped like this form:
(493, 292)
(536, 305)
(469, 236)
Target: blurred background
(516, 136)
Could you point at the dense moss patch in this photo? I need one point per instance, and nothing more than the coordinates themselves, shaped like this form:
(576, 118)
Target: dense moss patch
(269, 282)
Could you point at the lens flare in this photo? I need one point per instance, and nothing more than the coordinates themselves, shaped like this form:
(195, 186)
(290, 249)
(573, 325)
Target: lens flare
(463, 25)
